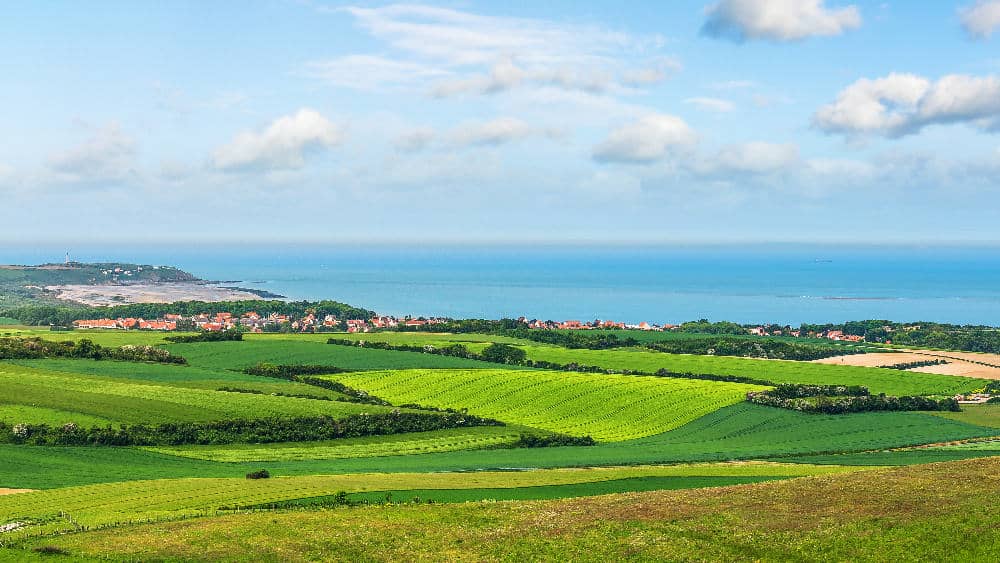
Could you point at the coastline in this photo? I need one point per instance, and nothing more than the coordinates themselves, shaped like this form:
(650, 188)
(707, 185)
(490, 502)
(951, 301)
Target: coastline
(109, 295)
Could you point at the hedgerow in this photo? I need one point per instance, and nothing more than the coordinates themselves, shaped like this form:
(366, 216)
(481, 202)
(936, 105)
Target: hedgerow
(34, 348)
(253, 431)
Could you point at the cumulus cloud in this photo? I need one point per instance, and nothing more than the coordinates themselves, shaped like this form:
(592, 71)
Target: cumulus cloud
(494, 132)
(106, 156)
(282, 145)
(778, 20)
(648, 139)
(711, 104)
(903, 104)
(981, 19)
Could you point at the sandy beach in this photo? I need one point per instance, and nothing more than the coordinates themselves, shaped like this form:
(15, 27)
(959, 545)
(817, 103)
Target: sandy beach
(101, 295)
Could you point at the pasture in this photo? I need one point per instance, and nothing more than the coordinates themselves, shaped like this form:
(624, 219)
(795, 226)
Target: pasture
(892, 382)
(605, 407)
(940, 512)
(96, 505)
(128, 402)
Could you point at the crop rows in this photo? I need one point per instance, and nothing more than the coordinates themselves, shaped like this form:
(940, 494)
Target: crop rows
(371, 446)
(141, 402)
(605, 407)
(892, 382)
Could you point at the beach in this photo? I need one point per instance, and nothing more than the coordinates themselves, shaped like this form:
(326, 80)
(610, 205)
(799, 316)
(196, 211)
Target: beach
(104, 295)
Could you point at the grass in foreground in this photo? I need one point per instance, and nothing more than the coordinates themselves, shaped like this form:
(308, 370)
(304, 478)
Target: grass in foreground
(97, 505)
(939, 512)
(605, 407)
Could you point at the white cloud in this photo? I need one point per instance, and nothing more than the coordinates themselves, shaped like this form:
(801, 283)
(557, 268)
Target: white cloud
(757, 157)
(902, 104)
(711, 104)
(107, 156)
(651, 138)
(370, 72)
(778, 20)
(282, 145)
(981, 19)
(494, 132)
(465, 53)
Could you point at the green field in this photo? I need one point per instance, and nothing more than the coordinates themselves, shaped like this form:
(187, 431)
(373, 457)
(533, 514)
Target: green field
(983, 415)
(878, 380)
(941, 512)
(654, 434)
(605, 407)
(452, 439)
(742, 431)
(171, 375)
(238, 355)
(94, 505)
(129, 402)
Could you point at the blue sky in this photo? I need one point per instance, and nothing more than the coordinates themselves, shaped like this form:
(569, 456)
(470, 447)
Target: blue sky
(733, 120)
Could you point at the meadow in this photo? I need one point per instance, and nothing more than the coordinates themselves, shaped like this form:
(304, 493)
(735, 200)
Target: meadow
(878, 380)
(939, 512)
(655, 436)
(96, 505)
(70, 394)
(605, 407)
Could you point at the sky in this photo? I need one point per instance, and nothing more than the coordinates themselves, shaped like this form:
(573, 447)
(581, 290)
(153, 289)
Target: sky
(557, 121)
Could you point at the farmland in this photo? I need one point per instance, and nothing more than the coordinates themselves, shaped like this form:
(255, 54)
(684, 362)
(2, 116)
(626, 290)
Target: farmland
(933, 512)
(605, 407)
(654, 435)
(893, 382)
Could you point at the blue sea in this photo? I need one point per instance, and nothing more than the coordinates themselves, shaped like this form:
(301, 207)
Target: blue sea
(660, 284)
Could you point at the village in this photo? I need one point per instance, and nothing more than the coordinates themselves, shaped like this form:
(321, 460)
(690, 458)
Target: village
(274, 322)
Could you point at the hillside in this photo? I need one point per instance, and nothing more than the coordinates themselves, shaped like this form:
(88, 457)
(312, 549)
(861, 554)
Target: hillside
(938, 512)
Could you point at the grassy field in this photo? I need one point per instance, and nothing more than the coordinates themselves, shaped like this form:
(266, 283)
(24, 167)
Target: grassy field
(940, 512)
(238, 355)
(741, 431)
(171, 375)
(452, 439)
(128, 402)
(982, 415)
(892, 382)
(96, 505)
(605, 407)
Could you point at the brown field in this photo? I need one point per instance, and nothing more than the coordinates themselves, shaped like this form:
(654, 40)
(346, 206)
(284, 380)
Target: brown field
(4, 491)
(961, 363)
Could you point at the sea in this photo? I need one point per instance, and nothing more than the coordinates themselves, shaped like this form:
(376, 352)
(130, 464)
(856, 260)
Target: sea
(786, 284)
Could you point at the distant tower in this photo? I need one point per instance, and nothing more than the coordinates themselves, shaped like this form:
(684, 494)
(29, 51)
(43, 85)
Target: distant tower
(67, 258)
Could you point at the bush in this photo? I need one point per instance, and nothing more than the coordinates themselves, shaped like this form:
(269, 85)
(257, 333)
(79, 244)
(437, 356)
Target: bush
(503, 354)
(231, 335)
(259, 474)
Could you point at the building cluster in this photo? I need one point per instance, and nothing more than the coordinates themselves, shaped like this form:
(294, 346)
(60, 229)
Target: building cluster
(254, 322)
(593, 325)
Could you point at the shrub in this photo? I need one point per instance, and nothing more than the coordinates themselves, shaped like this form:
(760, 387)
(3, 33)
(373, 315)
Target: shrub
(259, 474)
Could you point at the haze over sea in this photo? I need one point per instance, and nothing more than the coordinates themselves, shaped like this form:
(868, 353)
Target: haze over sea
(662, 284)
